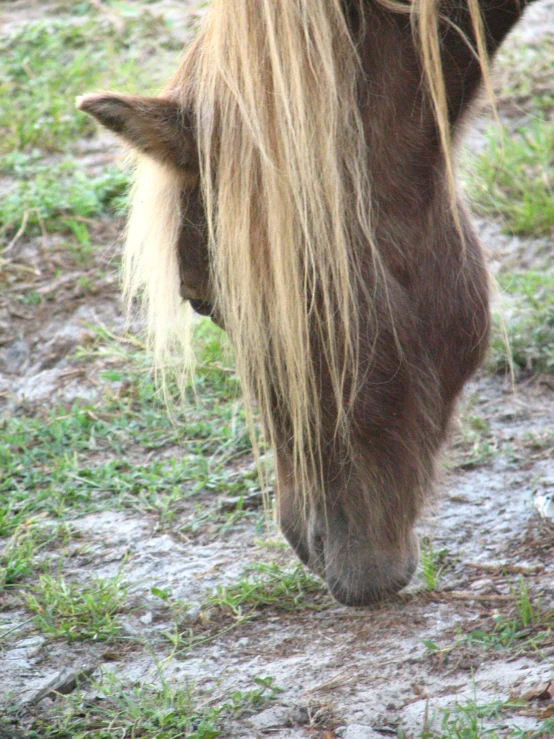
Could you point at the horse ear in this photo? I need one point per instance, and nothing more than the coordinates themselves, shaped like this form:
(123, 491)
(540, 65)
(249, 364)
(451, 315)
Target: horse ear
(158, 127)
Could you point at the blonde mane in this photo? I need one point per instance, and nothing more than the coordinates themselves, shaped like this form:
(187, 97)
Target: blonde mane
(284, 172)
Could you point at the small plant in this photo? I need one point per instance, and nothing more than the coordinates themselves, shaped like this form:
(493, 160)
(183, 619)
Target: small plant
(533, 90)
(473, 443)
(545, 730)
(529, 613)
(269, 586)
(17, 558)
(431, 564)
(89, 610)
(527, 309)
(463, 722)
(57, 197)
(514, 177)
(526, 630)
(471, 720)
(164, 712)
(39, 475)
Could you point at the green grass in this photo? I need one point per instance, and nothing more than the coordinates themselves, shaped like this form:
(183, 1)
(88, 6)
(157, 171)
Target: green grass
(18, 557)
(508, 634)
(472, 720)
(474, 444)
(166, 712)
(527, 310)
(46, 64)
(45, 457)
(270, 586)
(545, 730)
(262, 586)
(83, 610)
(432, 563)
(526, 76)
(528, 611)
(22, 552)
(528, 628)
(212, 521)
(514, 178)
(59, 196)
(525, 628)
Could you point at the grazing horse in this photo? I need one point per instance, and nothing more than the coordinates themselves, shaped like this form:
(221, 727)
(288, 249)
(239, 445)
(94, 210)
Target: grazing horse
(295, 181)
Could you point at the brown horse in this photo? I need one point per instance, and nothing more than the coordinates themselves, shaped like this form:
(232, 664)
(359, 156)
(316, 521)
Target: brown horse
(295, 182)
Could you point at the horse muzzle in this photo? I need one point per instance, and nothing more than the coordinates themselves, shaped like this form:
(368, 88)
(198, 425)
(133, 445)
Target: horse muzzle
(360, 567)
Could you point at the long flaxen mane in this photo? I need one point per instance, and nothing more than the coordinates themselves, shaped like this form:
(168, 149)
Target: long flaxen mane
(274, 90)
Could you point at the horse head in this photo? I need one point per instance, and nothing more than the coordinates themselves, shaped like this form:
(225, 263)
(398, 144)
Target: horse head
(296, 183)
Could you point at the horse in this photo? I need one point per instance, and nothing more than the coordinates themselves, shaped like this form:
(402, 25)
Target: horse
(296, 182)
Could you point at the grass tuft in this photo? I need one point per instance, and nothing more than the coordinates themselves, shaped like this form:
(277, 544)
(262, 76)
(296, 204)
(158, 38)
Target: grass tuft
(59, 197)
(514, 178)
(432, 564)
(165, 712)
(18, 556)
(85, 610)
(270, 586)
(527, 308)
(471, 720)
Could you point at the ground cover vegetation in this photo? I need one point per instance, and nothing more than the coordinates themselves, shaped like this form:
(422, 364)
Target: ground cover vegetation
(181, 461)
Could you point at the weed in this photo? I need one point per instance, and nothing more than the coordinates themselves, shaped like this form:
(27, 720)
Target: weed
(89, 610)
(533, 90)
(17, 558)
(526, 629)
(528, 314)
(22, 551)
(164, 712)
(471, 720)
(178, 608)
(529, 613)
(269, 586)
(44, 458)
(56, 196)
(432, 564)
(473, 444)
(545, 730)
(514, 178)
(261, 586)
(217, 521)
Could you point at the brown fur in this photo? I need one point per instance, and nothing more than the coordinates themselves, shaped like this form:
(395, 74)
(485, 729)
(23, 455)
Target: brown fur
(422, 315)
